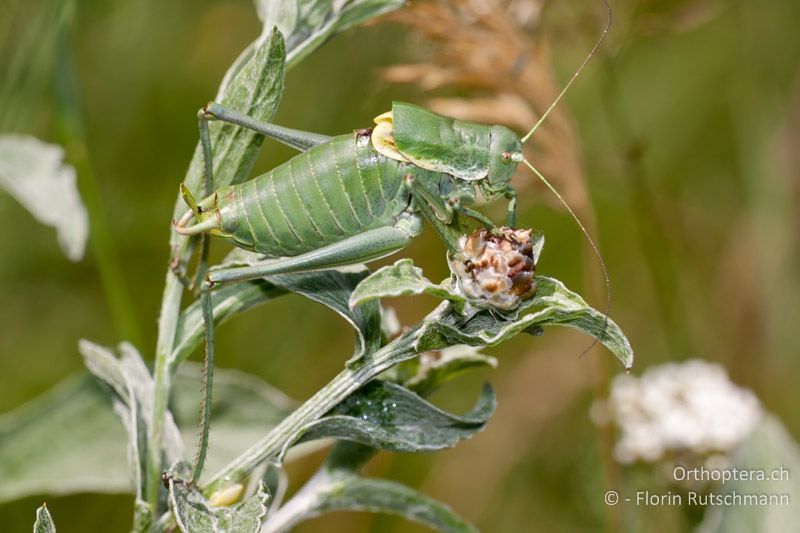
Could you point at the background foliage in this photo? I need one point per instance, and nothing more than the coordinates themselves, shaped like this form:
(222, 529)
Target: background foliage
(687, 121)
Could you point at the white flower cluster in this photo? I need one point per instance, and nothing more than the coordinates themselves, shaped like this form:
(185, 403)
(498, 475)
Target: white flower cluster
(680, 407)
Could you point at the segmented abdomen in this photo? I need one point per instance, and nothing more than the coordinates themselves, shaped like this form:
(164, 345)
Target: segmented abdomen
(332, 191)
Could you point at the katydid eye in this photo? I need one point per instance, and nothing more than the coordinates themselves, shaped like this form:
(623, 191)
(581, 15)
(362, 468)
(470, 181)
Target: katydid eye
(506, 157)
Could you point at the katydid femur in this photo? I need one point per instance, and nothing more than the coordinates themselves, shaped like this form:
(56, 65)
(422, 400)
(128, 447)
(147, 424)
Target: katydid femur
(357, 197)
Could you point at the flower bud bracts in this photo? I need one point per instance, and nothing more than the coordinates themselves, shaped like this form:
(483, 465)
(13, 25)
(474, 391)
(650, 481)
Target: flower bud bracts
(495, 267)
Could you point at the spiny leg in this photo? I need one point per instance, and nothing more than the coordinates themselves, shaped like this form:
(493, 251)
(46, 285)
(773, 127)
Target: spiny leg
(208, 379)
(372, 244)
(208, 318)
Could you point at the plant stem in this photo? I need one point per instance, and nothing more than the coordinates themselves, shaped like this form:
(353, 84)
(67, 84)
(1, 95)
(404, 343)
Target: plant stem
(341, 386)
(167, 326)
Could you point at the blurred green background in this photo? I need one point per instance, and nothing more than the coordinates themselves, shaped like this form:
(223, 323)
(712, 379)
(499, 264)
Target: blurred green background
(689, 127)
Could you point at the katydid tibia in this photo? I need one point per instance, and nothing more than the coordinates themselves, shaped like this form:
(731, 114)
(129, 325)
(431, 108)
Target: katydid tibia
(356, 197)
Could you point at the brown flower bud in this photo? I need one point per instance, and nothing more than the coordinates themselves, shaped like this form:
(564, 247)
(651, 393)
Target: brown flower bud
(495, 266)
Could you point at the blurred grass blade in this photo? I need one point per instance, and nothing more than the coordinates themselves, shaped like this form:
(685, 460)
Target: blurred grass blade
(34, 173)
(44, 522)
(388, 416)
(194, 515)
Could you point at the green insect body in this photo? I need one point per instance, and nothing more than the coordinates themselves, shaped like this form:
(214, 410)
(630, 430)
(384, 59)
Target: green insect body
(344, 186)
(353, 198)
(334, 190)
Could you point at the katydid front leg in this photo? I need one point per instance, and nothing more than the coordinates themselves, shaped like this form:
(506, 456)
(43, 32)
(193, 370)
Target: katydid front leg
(511, 195)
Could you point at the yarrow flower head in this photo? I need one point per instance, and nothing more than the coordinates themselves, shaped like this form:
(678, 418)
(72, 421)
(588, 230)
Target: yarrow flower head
(495, 267)
(689, 408)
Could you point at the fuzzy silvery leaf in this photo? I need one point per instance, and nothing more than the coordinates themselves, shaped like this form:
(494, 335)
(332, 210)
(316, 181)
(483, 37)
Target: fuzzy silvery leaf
(769, 447)
(402, 279)
(391, 417)
(44, 448)
(35, 174)
(44, 522)
(354, 493)
(336, 488)
(309, 23)
(70, 441)
(132, 397)
(193, 513)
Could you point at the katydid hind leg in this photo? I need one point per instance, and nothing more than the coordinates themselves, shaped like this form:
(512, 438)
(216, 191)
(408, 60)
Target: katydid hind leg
(366, 246)
(206, 305)
(207, 385)
(297, 139)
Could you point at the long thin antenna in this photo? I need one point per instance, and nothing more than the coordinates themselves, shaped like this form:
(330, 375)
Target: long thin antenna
(591, 243)
(574, 76)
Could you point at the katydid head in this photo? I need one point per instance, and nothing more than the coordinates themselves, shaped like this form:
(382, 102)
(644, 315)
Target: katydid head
(505, 154)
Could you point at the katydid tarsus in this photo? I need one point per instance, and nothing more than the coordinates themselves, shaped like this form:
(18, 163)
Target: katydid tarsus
(356, 197)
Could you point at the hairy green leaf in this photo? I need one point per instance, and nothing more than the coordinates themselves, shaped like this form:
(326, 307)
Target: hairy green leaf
(459, 323)
(194, 515)
(335, 487)
(34, 173)
(309, 23)
(388, 416)
(256, 90)
(402, 279)
(44, 522)
(354, 493)
(552, 305)
(769, 447)
(333, 289)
